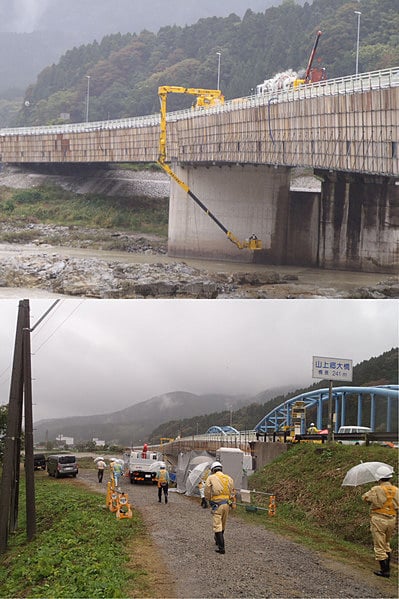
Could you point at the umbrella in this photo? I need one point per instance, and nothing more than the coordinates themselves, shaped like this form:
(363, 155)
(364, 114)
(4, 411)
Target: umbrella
(99, 458)
(195, 476)
(363, 473)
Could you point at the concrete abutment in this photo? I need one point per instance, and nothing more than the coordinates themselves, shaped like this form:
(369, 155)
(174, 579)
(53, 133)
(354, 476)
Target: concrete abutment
(352, 225)
(359, 223)
(245, 199)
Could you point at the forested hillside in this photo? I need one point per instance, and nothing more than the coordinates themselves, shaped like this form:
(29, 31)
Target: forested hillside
(126, 70)
(381, 370)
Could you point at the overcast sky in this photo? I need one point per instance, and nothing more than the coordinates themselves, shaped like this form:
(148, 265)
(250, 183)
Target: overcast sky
(99, 356)
(120, 15)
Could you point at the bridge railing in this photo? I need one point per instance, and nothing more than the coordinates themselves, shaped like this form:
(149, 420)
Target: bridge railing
(343, 85)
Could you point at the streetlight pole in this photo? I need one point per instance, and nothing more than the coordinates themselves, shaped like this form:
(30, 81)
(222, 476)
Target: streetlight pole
(87, 97)
(358, 13)
(219, 54)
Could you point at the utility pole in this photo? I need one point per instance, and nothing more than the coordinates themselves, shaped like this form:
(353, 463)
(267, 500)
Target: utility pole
(10, 476)
(330, 423)
(20, 393)
(29, 461)
(87, 97)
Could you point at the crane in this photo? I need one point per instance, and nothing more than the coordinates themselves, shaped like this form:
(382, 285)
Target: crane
(205, 98)
(312, 75)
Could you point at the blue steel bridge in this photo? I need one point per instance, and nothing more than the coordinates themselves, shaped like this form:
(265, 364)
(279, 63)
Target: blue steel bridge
(379, 397)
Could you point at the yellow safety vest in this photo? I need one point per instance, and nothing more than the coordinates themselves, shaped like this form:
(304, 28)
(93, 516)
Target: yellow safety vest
(387, 509)
(225, 494)
(162, 477)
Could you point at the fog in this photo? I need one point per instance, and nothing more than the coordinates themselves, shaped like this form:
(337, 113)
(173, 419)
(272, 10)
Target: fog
(96, 18)
(99, 356)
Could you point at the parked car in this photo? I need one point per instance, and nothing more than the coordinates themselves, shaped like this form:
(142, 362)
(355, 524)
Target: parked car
(39, 461)
(62, 465)
(350, 430)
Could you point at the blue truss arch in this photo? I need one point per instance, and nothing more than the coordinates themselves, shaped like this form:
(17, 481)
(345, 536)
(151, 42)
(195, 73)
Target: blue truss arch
(280, 416)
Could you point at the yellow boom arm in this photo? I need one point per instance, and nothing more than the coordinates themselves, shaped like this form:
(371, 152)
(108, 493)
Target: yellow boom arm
(205, 97)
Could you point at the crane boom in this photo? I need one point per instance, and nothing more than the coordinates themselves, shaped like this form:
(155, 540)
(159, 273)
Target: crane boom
(311, 57)
(205, 97)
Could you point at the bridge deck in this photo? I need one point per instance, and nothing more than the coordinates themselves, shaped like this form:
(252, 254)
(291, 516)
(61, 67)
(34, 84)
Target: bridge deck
(347, 124)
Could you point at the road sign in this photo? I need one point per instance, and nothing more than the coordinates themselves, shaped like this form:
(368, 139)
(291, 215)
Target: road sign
(332, 369)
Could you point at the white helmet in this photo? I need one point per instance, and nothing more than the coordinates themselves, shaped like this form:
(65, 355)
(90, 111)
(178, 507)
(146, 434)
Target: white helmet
(312, 424)
(383, 472)
(216, 467)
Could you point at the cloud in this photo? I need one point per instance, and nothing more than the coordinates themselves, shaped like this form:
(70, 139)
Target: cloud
(99, 356)
(24, 15)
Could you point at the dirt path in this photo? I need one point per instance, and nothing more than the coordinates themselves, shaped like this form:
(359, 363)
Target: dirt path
(257, 563)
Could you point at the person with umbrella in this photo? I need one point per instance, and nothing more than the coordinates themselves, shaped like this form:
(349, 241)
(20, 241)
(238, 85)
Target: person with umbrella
(101, 465)
(384, 503)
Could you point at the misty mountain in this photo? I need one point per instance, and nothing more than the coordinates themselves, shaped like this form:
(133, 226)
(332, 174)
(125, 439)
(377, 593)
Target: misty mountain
(134, 424)
(36, 33)
(92, 19)
(126, 69)
(186, 413)
(380, 370)
(30, 52)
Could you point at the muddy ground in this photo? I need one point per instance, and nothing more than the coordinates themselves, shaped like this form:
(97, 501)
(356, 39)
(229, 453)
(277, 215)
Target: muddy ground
(181, 559)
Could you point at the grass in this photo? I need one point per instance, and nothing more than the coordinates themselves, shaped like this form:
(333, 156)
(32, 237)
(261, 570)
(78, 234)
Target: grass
(81, 549)
(312, 506)
(56, 206)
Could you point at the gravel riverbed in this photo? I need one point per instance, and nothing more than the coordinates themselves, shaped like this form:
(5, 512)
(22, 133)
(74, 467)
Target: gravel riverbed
(257, 564)
(107, 264)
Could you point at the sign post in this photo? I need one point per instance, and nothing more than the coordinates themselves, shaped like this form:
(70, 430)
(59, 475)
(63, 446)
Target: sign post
(338, 369)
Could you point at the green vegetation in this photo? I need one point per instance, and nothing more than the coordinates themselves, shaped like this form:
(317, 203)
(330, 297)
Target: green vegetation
(80, 550)
(126, 70)
(53, 205)
(312, 506)
(381, 370)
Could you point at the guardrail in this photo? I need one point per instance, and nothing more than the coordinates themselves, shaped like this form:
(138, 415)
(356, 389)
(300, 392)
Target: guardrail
(341, 85)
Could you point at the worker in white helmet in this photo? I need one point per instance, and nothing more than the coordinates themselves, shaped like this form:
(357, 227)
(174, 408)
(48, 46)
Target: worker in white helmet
(313, 430)
(384, 503)
(219, 490)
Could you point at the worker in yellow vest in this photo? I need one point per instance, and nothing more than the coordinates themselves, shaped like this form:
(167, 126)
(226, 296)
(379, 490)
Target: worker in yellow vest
(219, 490)
(384, 503)
(162, 478)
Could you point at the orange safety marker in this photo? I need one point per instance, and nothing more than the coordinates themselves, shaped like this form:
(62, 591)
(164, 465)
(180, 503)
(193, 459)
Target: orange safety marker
(272, 505)
(124, 508)
(113, 505)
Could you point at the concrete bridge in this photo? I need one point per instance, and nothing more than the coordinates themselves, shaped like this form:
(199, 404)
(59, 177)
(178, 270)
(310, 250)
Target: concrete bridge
(237, 158)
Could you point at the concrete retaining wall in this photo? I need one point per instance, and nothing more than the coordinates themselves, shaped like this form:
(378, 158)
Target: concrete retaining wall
(264, 453)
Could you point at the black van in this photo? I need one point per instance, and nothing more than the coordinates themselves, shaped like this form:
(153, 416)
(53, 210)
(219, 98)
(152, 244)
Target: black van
(62, 465)
(39, 461)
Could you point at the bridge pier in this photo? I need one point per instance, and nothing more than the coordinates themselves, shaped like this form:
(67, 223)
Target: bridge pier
(359, 222)
(354, 226)
(246, 199)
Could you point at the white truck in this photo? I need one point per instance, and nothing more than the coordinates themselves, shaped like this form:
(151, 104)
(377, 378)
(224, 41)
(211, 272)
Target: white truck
(143, 465)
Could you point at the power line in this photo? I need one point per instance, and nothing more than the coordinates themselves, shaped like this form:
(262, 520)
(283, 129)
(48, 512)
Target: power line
(58, 327)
